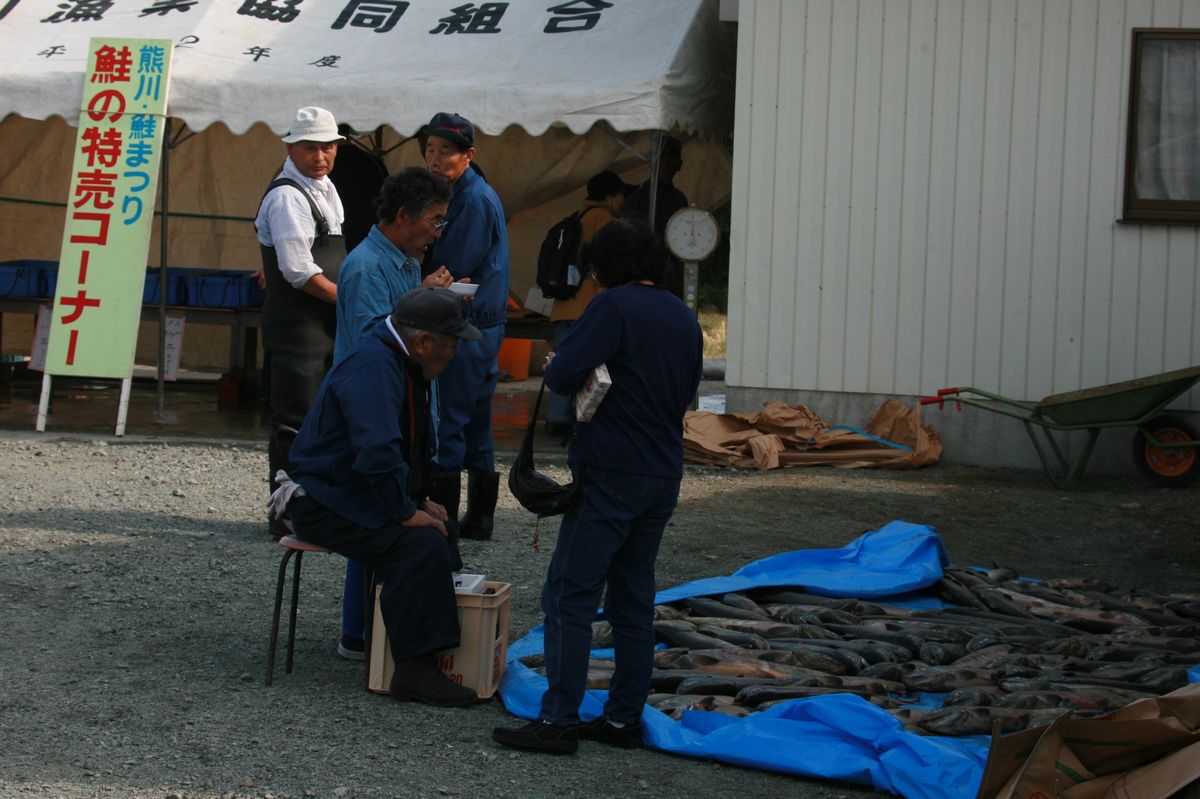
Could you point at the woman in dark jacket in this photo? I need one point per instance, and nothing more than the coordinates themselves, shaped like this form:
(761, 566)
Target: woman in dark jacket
(628, 461)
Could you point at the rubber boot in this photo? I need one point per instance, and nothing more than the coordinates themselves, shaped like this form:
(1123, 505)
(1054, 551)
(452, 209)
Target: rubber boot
(482, 489)
(445, 491)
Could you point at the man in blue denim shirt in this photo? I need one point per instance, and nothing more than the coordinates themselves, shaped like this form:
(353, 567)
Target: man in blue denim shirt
(474, 245)
(410, 210)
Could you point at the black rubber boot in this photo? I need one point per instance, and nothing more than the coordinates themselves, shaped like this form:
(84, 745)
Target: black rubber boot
(447, 486)
(482, 490)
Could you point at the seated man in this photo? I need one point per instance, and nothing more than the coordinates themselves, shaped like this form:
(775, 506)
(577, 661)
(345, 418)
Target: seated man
(360, 483)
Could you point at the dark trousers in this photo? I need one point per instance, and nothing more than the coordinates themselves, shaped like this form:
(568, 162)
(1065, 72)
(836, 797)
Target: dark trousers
(295, 378)
(465, 392)
(610, 537)
(413, 563)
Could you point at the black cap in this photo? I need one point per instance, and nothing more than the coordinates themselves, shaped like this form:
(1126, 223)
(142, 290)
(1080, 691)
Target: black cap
(436, 310)
(456, 128)
(605, 185)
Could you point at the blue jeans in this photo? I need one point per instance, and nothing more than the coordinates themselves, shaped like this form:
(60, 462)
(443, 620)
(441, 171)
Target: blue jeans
(611, 538)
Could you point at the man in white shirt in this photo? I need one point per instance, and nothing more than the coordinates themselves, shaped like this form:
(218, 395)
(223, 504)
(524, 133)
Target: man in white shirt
(299, 226)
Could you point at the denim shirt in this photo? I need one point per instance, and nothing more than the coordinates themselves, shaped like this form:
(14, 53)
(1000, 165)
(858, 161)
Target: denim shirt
(475, 245)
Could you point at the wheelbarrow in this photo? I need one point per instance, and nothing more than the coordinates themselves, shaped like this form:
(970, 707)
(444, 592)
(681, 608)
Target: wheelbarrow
(1164, 447)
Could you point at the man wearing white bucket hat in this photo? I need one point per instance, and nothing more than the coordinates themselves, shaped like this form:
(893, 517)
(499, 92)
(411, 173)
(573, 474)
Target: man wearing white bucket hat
(299, 226)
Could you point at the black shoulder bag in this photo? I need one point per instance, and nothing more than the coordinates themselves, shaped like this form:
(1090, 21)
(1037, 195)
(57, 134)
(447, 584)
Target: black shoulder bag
(536, 492)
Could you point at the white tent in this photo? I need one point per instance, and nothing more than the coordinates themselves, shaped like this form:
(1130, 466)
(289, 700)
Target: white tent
(557, 91)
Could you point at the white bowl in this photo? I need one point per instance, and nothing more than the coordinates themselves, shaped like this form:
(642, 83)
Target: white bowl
(464, 289)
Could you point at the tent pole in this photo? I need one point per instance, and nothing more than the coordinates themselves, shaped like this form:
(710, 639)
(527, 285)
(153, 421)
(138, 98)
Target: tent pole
(162, 270)
(656, 148)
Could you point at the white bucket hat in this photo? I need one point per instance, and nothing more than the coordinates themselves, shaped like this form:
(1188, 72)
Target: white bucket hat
(313, 124)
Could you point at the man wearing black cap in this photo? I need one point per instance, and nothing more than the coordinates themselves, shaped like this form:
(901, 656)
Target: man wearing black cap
(359, 484)
(474, 245)
(605, 199)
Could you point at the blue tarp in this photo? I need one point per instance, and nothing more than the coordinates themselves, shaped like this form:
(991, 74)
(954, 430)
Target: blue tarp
(839, 737)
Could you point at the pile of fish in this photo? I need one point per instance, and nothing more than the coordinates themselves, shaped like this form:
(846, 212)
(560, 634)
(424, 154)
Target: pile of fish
(1011, 653)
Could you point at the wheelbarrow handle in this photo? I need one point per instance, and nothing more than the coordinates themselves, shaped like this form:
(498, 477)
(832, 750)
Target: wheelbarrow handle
(940, 399)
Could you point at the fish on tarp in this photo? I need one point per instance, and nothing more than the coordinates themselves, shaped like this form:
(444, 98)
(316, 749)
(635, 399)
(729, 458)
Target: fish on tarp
(789, 597)
(675, 657)
(735, 637)
(983, 658)
(982, 720)
(667, 613)
(602, 635)
(745, 603)
(704, 606)
(739, 664)
(947, 678)
(721, 684)
(809, 658)
(690, 639)
(756, 695)
(927, 630)
(887, 671)
(767, 629)
(809, 614)
(909, 641)
(974, 695)
(688, 701)
(1165, 679)
(860, 607)
(850, 658)
(1029, 700)
(940, 654)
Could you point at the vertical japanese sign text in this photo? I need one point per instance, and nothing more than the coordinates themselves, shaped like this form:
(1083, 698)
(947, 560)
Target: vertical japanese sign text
(110, 208)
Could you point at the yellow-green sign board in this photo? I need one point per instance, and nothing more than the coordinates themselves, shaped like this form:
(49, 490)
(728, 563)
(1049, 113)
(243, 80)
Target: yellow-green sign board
(110, 208)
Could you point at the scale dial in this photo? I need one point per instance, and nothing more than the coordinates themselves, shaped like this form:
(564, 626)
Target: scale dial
(692, 234)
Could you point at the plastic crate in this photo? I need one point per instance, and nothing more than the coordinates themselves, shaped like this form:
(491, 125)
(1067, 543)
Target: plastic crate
(477, 662)
(22, 278)
(177, 293)
(225, 288)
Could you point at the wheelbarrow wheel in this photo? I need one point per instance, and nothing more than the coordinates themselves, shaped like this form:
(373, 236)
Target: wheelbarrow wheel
(1175, 467)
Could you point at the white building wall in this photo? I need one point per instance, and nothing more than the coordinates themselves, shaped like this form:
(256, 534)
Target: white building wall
(926, 193)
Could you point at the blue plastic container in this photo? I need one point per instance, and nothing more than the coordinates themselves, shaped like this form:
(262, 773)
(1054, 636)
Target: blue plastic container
(226, 288)
(177, 293)
(22, 278)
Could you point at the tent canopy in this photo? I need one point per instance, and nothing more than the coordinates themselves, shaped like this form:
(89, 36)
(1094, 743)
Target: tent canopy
(551, 108)
(634, 65)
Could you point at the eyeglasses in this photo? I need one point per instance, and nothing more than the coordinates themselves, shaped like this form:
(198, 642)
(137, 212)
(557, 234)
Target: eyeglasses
(438, 227)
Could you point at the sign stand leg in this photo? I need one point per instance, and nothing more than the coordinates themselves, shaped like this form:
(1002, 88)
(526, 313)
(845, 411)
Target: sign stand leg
(123, 408)
(43, 403)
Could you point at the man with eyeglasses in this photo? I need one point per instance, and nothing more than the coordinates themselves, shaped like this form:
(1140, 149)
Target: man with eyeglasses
(358, 484)
(410, 210)
(475, 246)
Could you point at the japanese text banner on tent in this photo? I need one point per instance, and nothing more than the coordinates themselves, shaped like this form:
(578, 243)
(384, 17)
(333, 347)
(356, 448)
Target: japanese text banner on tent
(110, 208)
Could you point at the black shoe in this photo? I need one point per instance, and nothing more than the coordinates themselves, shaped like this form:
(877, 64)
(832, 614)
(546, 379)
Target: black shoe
(602, 730)
(352, 648)
(419, 680)
(482, 489)
(540, 736)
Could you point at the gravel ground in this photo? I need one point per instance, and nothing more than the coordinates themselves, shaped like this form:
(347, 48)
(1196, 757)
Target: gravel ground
(137, 581)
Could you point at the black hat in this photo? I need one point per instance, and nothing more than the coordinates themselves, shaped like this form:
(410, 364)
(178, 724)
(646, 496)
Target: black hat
(436, 310)
(456, 128)
(605, 185)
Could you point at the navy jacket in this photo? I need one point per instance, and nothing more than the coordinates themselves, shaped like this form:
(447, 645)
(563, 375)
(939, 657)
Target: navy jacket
(653, 348)
(354, 450)
(475, 245)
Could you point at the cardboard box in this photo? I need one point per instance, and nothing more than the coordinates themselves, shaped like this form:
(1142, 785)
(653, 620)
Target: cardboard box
(478, 662)
(469, 583)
